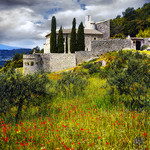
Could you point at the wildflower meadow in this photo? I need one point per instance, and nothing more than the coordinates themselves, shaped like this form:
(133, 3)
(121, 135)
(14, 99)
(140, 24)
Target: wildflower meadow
(91, 118)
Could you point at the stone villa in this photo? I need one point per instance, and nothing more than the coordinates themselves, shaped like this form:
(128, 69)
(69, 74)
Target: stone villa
(93, 31)
(97, 42)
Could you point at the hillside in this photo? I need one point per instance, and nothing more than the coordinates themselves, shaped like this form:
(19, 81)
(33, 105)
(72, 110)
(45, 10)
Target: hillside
(132, 22)
(8, 54)
(92, 107)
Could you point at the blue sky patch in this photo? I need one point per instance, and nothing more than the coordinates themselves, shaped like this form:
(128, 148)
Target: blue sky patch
(53, 10)
(83, 6)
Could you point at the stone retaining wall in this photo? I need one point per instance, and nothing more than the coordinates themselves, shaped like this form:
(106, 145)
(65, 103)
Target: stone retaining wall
(110, 45)
(47, 62)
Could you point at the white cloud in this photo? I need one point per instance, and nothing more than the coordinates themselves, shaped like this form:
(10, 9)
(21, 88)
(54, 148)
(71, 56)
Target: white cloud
(24, 22)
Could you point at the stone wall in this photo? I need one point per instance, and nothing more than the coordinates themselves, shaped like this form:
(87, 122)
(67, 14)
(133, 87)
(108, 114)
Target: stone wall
(48, 62)
(104, 46)
(147, 41)
(82, 56)
(89, 38)
(60, 62)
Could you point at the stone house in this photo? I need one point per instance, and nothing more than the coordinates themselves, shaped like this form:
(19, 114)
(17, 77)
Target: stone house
(92, 31)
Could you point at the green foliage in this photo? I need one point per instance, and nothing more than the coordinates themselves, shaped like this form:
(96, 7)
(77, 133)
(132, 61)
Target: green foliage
(129, 13)
(60, 41)
(134, 22)
(17, 90)
(73, 41)
(66, 44)
(71, 84)
(17, 57)
(7, 64)
(129, 75)
(53, 47)
(116, 26)
(144, 34)
(36, 50)
(0, 67)
(120, 35)
(80, 38)
(17, 62)
(103, 73)
(144, 47)
(92, 67)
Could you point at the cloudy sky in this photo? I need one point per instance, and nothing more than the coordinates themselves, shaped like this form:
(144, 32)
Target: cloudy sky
(24, 23)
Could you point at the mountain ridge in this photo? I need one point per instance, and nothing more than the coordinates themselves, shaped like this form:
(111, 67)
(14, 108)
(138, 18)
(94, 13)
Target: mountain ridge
(7, 47)
(8, 54)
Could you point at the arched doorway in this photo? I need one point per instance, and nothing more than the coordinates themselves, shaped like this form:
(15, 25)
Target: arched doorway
(138, 45)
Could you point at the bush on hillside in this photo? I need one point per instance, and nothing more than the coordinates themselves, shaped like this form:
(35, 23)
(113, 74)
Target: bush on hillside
(17, 90)
(71, 84)
(84, 73)
(92, 67)
(103, 73)
(131, 78)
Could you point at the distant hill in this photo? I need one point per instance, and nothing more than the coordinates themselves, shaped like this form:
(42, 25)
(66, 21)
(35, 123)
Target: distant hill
(8, 54)
(6, 47)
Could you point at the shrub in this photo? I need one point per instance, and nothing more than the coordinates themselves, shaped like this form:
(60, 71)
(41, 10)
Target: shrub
(92, 67)
(17, 90)
(133, 81)
(144, 47)
(103, 73)
(81, 72)
(17, 64)
(71, 84)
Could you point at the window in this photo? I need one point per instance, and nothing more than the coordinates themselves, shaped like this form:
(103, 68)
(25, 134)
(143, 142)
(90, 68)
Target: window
(94, 38)
(32, 63)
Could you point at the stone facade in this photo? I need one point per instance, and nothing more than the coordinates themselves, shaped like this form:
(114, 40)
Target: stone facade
(104, 28)
(36, 62)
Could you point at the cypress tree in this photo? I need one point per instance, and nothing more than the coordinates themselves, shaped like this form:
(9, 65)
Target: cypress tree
(67, 44)
(53, 48)
(73, 41)
(60, 41)
(80, 38)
